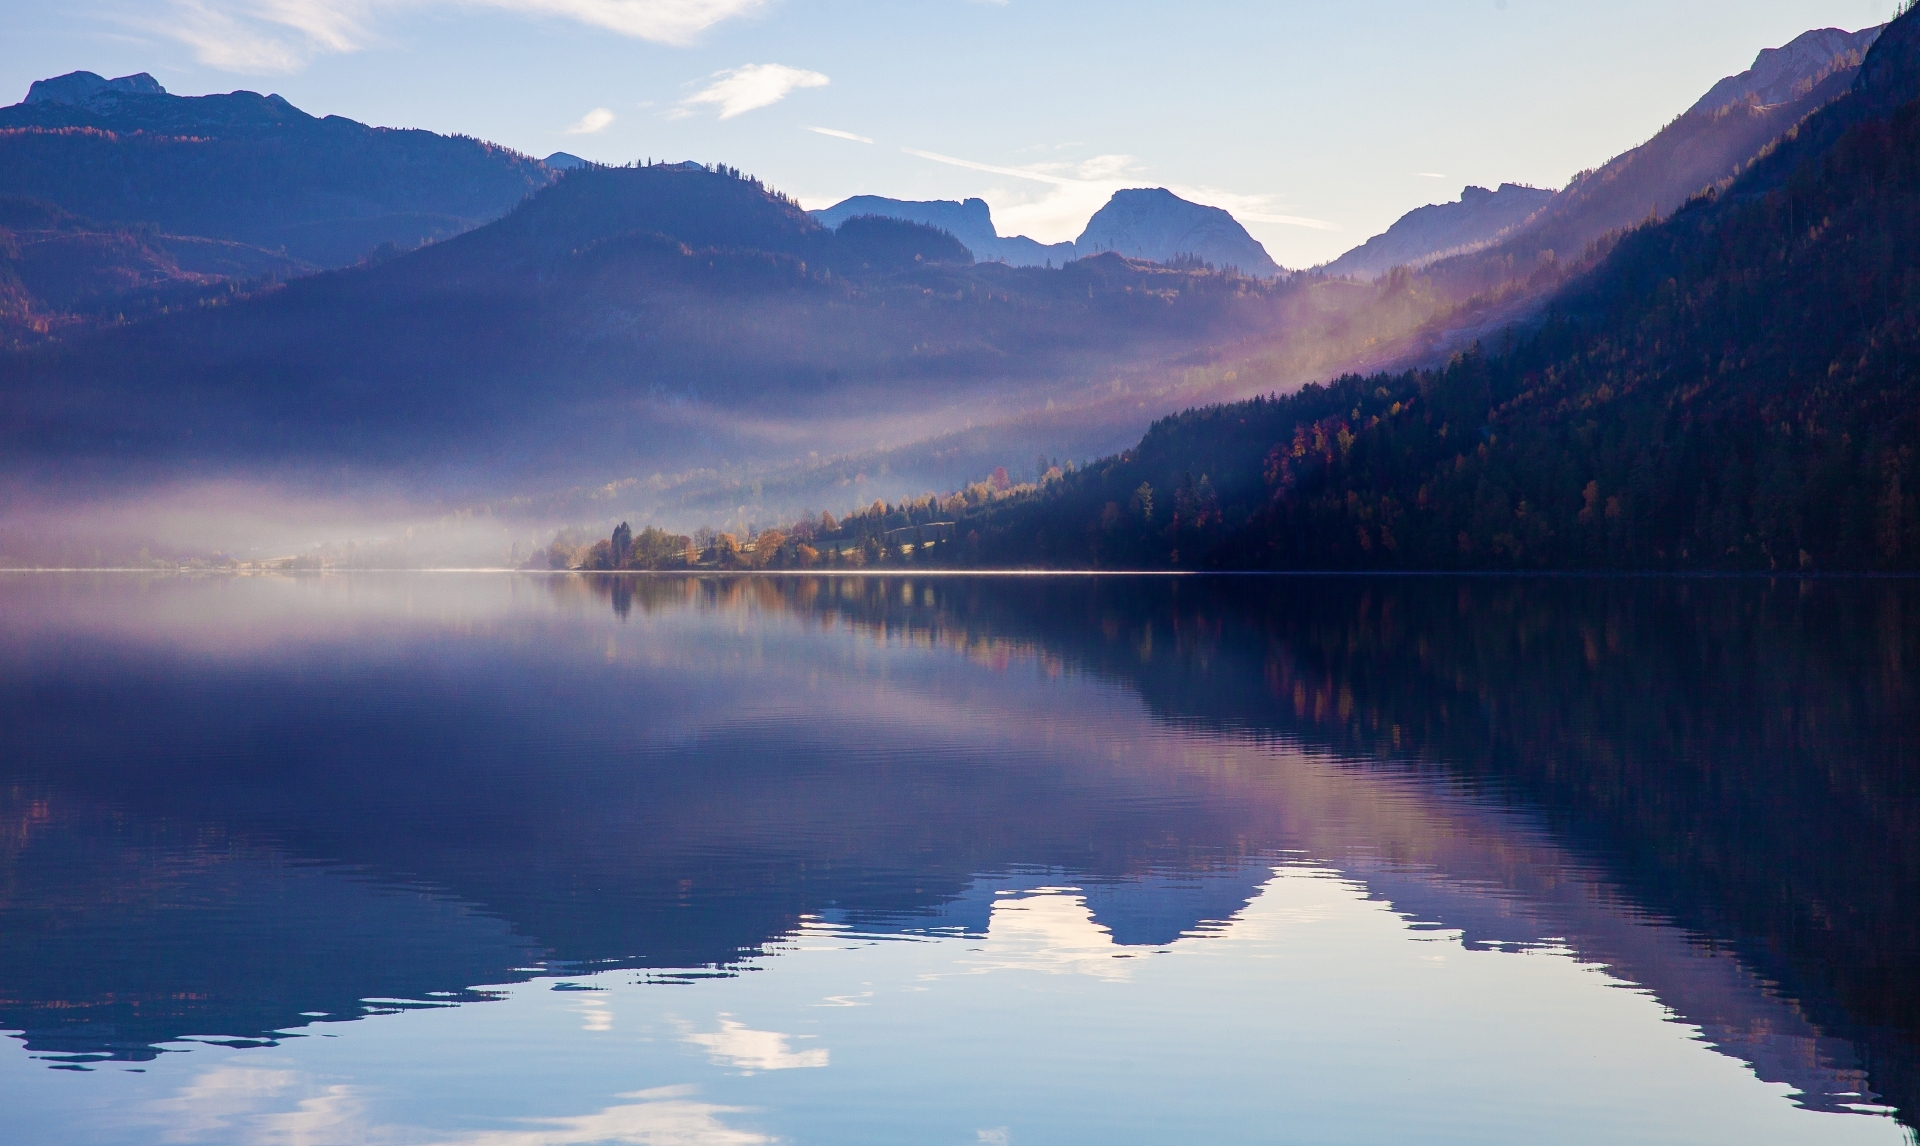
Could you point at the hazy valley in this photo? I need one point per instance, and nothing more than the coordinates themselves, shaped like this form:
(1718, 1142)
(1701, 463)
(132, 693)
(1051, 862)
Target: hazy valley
(404, 331)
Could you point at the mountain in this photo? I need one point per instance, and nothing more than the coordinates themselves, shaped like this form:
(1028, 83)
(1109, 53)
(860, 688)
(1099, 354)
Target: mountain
(1784, 74)
(1700, 149)
(648, 318)
(250, 169)
(1502, 251)
(1728, 388)
(1154, 223)
(60, 273)
(970, 222)
(79, 87)
(1427, 233)
(562, 161)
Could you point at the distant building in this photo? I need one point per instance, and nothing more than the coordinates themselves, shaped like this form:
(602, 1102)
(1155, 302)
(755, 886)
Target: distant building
(931, 532)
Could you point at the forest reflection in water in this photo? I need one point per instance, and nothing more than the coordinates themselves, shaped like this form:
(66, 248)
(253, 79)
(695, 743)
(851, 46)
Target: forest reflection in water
(241, 808)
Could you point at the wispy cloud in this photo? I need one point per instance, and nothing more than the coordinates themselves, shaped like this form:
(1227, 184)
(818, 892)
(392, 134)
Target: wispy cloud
(737, 91)
(837, 134)
(275, 36)
(1036, 174)
(592, 123)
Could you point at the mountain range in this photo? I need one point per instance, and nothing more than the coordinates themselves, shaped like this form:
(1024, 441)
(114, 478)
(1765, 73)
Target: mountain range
(680, 343)
(250, 169)
(1784, 74)
(1728, 387)
(668, 313)
(1522, 227)
(1425, 234)
(970, 221)
(1142, 223)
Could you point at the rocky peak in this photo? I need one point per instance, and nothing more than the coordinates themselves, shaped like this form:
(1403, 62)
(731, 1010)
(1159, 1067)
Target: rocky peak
(79, 87)
(1155, 224)
(970, 221)
(1782, 74)
(1426, 234)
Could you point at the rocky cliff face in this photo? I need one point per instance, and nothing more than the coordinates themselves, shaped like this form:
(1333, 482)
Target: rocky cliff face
(1780, 75)
(1155, 224)
(971, 222)
(1434, 232)
(80, 87)
(1150, 223)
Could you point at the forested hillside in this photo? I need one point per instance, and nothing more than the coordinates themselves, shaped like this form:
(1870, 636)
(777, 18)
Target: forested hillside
(1497, 268)
(661, 313)
(255, 169)
(1731, 388)
(61, 274)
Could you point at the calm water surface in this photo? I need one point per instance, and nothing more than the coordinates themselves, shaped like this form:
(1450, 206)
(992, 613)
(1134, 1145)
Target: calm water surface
(533, 861)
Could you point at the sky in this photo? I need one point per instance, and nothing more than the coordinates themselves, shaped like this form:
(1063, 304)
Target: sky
(1316, 122)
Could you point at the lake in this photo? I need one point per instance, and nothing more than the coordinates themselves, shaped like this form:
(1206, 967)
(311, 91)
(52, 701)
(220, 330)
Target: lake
(524, 860)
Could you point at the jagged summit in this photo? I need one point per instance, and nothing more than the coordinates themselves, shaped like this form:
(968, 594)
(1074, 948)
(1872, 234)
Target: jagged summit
(1154, 223)
(79, 87)
(1433, 232)
(1712, 142)
(1782, 74)
(971, 222)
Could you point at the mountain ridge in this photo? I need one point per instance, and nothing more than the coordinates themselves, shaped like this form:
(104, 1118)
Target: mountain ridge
(1726, 388)
(970, 221)
(1150, 223)
(665, 314)
(252, 169)
(1703, 146)
(1433, 232)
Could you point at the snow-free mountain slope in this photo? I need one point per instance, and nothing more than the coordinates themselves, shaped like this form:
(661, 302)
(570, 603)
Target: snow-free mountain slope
(1154, 223)
(79, 87)
(1435, 231)
(652, 319)
(61, 274)
(1146, 223)
(971, 222)
(250, 168)
(1730, 387)
(1784, 74)
(1697, 152)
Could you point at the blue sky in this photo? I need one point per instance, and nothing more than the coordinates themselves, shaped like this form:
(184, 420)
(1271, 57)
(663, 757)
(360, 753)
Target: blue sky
(1317, 122)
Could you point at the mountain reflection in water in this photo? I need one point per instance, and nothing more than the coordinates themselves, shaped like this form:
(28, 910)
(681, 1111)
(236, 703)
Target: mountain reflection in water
(238, 807)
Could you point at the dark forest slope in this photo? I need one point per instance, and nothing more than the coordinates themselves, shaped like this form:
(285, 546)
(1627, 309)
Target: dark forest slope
(255, 169)
(60, 273)
(1731, 388)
